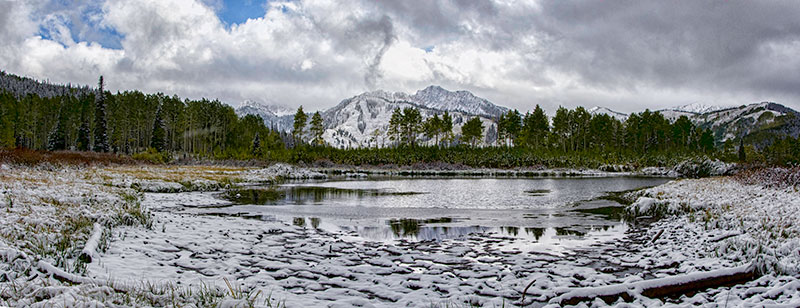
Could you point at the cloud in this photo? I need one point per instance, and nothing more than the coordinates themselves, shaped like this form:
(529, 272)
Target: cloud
(628, 55)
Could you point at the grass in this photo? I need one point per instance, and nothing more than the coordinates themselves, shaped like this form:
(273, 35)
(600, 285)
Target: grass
(32, 157)
(131, 213)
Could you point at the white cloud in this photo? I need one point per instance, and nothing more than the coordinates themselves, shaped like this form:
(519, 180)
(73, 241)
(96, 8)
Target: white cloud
(315, 52)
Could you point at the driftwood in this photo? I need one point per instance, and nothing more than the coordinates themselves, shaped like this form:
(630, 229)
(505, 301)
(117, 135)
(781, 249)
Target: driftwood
(655, 238)
(63, 276)
(661, 287)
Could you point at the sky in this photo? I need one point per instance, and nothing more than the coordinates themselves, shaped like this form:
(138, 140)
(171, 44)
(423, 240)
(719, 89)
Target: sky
(625, 55)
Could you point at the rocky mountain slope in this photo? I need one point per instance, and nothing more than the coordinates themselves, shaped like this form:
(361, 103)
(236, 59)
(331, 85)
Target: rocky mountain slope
(758, 123)
(276, 117)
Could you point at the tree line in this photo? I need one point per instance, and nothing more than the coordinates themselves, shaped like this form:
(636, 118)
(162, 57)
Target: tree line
(132, 122)
(568, 131)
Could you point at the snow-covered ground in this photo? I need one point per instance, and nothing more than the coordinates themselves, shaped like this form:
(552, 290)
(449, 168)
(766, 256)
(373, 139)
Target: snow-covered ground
(56, 220)
(153, 251)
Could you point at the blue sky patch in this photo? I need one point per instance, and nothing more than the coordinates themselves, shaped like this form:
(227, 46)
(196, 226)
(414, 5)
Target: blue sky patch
(239, 11)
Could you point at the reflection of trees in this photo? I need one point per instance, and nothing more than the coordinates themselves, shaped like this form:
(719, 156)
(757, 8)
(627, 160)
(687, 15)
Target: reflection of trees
(404, 227)
(568, 231)
(299, 221)
(514, 231)
(536, 232)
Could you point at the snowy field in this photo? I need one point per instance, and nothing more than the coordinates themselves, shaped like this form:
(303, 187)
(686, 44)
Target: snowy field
(127, 236)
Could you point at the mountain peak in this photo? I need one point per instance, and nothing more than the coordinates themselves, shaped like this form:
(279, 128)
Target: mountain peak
(436, 97)
(698, 108)
(605, 110)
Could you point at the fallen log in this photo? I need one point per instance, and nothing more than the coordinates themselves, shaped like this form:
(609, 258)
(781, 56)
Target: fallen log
(661, 287)
(89, 252)
(63, 276)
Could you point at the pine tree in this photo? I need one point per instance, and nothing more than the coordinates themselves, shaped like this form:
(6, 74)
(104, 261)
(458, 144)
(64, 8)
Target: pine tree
(742, 155)
(433, 128)
(83, 135)
(317, 129)
(300, 119)
(394, 125)
(411, 125)
(447, 127)
(536, 127)
(158, 140)
(57, 140)
(255, 150)
(472, 131)
(100, 127)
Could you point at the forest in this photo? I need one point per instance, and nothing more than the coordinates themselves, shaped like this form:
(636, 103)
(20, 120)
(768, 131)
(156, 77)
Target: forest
(161, 128)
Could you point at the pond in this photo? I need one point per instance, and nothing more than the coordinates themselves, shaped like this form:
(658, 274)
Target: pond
(547, 212)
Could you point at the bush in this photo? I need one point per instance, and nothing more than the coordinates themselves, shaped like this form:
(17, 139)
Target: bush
(153, 156)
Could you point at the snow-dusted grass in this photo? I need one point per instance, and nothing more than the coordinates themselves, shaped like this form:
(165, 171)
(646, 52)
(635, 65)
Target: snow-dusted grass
(152, 250)
(763, 222)
(56, 220)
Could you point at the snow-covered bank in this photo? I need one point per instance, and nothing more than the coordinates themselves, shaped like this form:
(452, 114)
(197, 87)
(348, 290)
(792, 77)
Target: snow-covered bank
(55, 221)
(763, 222)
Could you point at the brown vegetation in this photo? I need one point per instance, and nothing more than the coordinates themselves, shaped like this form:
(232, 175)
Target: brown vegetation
(776, 177)
(34, 157)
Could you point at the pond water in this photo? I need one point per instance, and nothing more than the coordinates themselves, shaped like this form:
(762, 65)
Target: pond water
(545, 211)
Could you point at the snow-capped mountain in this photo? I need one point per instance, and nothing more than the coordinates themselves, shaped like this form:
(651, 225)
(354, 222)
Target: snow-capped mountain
(275, 116)
(603, 110)
(756, 122)
(363, 120)
(435, 97)
(688, 110)
(697, 108)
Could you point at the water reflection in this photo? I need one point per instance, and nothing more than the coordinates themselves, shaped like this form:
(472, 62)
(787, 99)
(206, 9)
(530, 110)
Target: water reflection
(537, 192)
(515, 213)
(282, 195)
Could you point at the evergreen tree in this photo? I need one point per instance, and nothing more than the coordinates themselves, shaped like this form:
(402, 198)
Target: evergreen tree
(472, 131)
(83, 135)
(682, 131)
(100, 127)
(706, 141)
(57, 139)
(432, 127)
(410, 125)
(508, 127)
(447, 127)
(394, 125)
(158, 141)
(742, 155)
(298, 130)
(317, 129)
(536, 127)
(255, 150)
(561, 127)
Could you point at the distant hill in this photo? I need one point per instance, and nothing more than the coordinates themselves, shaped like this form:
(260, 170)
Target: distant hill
(22, 86)
(758, 123)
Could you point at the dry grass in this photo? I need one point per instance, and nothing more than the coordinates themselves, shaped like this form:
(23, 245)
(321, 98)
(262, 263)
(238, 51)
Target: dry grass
(776, 177)
(179, 173)
(31, 157)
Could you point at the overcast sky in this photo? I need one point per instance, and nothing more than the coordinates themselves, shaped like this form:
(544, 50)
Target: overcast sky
(626, 55)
